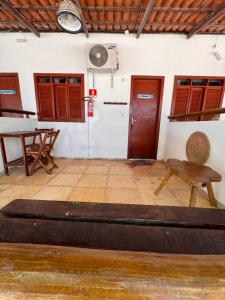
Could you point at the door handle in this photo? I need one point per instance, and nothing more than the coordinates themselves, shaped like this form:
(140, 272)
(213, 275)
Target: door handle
(132, 122)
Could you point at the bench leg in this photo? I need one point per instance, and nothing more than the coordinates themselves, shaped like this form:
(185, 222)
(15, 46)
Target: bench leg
(212, 199)
(163, 182)
(192, 202)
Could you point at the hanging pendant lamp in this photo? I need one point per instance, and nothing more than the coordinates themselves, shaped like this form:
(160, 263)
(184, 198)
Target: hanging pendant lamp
(68, 17)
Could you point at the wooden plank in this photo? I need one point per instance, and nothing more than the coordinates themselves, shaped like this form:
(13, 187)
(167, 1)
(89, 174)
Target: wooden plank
(212, 16)
(145, 17)
(18, 111)
(13, 11)
(48, 272)
(112, 236)
(171, 216)
(216, 111)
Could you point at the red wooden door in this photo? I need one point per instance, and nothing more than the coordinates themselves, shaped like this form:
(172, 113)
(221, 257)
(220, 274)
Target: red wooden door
(10, 93)
(145, 109)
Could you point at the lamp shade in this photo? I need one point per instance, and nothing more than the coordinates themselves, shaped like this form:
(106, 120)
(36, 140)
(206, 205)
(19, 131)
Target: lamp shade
(68, 17)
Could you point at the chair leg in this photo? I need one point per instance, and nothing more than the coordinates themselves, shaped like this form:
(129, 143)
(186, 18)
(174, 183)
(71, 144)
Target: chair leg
(34, 164)
(212, 199)
(192, 202)
(163, 182)
(52, 161)
(44, 167)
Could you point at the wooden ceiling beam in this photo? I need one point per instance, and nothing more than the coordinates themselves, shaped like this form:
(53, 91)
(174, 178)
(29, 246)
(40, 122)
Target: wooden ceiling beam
(145, 17)
(20, 17)
(206, 21)
(77, 2)
(120, 23)
(115, 8)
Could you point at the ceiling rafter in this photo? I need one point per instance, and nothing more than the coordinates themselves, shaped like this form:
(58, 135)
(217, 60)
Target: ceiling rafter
(179, 24)
(219, 10)
(145, 17)
(13, 11)
(77, 2)
(116, 8)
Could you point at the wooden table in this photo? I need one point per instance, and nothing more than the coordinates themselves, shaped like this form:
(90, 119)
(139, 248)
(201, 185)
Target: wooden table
(44, 272)
(21, 162)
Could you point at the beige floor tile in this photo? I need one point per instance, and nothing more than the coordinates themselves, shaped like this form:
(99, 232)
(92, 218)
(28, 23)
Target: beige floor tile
(36, 178)
(88, 194)
(120, 170)
(164, 198)
(74, 169)
(13, 178)
(123, 196)
(4, 187)
(147, 182)
(62, 162)
(53, 193)
(20, 191)
(65, 179)
(97, 169)
(98, 181)
(121, 181)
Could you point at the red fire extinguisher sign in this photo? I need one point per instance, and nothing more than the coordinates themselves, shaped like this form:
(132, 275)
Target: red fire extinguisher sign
(92, 92)
(90, 108)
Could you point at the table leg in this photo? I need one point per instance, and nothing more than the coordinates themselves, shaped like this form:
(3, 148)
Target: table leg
(163, 183)
(4, 157)
(212, 199)
(192, 202)
(24, 155)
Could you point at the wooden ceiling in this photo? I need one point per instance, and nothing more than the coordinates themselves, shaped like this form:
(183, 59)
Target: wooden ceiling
(116, 16)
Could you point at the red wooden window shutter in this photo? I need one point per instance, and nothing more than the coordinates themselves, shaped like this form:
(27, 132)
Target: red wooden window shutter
(75, 102)
(45, 97)
(195, 104)
(212, 100)
(60, 96)
(181, 100)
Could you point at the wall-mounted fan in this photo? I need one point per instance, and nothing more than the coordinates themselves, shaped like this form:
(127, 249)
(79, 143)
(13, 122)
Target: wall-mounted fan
(68, 17)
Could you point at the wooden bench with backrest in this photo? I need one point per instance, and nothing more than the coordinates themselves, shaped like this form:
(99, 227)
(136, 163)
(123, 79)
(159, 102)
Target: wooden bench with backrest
(193, 171)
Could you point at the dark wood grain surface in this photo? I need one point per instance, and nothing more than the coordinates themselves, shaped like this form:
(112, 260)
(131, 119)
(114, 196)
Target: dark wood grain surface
(112, 236)
(153, 215)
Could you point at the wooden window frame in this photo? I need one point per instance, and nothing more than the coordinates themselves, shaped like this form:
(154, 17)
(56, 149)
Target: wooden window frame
(20, 106)
(208, 78)
(54, 109)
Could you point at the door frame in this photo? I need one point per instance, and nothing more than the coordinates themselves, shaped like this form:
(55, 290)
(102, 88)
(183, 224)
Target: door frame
(162, 79)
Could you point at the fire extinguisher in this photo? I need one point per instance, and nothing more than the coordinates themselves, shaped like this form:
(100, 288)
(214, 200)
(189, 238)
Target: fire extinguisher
(90, 108)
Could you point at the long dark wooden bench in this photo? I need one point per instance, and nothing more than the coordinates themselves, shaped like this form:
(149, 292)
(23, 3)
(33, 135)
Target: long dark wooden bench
(162, 229)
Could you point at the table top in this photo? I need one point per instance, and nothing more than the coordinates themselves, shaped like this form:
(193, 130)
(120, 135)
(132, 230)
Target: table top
(19, 134)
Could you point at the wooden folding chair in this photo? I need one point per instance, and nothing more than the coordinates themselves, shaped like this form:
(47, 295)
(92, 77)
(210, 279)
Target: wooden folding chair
(42, 154)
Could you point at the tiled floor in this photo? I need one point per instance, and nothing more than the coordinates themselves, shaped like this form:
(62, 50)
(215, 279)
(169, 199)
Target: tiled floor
(110, 181)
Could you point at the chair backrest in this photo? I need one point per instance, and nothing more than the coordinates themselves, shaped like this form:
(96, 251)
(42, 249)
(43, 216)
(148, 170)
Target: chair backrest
(198, 148)
(49, 140)
(43, 131)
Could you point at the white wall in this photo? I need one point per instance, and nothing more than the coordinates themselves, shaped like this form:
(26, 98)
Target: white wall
(175, 146)
(165, 55)
(12, 145)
